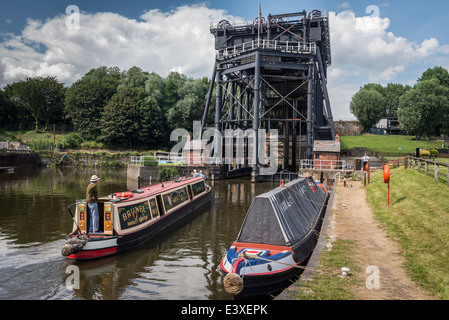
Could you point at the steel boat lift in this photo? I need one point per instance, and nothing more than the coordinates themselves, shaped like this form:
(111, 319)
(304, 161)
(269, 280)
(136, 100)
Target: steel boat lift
(272, 74)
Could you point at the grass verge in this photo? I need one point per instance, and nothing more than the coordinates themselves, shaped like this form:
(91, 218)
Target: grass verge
(387, 144)
(418, 218)
(326, 283)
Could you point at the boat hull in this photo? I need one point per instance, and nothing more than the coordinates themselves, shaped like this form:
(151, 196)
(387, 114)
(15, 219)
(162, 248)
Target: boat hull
(100, 246)
(267, 269)
(267, 286)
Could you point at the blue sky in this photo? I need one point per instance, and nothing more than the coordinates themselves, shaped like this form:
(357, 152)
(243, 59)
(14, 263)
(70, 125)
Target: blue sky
(396, 45)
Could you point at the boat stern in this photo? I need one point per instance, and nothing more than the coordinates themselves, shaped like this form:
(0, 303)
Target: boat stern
(257, 261)
(88, 247)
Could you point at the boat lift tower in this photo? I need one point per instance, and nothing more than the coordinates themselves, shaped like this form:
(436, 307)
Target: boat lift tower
(272, 74)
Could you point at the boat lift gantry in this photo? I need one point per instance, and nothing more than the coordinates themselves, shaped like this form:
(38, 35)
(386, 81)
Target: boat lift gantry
(272, 74)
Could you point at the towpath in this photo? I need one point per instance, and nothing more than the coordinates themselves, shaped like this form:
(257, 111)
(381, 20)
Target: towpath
(353, 219)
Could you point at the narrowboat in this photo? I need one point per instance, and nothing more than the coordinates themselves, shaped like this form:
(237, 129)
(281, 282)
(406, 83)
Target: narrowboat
(127, 219)
(277, 237)
(316, 184)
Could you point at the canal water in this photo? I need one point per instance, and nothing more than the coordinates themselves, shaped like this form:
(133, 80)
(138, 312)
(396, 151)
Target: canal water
(181, 263)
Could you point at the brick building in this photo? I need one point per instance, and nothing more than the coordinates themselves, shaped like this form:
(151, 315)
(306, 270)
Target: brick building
(326, 154)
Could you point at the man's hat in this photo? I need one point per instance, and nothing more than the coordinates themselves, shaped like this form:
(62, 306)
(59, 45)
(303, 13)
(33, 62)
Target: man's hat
(94, 178)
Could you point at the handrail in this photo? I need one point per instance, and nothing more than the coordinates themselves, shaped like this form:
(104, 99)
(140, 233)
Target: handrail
(284, 46)
(326, 164)
(174, 159)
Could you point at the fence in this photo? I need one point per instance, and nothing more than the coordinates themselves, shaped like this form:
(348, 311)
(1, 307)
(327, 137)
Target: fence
(284, 46)
(340, 165)
(173, 160)
(438, 169)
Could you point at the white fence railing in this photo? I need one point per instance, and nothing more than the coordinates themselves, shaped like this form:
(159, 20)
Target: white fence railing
(342, 165)
(175, 160)
(283, 46)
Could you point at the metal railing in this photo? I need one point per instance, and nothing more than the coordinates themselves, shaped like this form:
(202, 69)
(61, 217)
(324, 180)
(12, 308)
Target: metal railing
(173, 160)
(341, 165)
(283, 46)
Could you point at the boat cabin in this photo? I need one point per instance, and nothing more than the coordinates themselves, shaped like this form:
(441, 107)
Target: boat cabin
(125, 212)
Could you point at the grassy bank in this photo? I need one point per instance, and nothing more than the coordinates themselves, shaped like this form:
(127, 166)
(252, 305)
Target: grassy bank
(418, 218)
(387, 144)
(326, 284)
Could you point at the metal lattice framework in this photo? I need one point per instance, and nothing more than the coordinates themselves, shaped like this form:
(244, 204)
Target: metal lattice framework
(272, 74)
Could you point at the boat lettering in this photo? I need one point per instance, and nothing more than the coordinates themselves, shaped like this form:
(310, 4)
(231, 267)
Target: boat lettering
(175, 198)
(287, 203)
(133, 215)
(198, 188)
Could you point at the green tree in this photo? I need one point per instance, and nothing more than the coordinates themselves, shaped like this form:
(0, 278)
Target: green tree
(374, 86)
(190, 106)
(8, 116)
(147, 93)
(86, 99)
(172, 84)
(135, 77)
(425, 109)
(368, 105)
(439, 73)
(393, 93)
(409, 116)
(42, 97)
(120, 121)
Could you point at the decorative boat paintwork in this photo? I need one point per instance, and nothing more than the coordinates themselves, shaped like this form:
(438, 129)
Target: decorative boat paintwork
(133, 219)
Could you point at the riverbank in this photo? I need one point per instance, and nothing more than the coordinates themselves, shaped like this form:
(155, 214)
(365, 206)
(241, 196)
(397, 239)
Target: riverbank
(82, 158)
(354, 238)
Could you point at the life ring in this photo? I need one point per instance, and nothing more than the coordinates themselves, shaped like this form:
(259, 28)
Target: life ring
(386, 174)
(123, 194)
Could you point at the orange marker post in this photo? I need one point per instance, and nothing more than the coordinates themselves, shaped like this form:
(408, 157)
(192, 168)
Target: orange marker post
(387, 180)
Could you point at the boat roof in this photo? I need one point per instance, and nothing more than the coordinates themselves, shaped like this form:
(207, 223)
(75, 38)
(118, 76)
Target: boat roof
(154, 189)
(283, 216)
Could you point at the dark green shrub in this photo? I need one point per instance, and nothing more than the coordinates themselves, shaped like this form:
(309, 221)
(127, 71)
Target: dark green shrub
(166, 174)
(72, 140)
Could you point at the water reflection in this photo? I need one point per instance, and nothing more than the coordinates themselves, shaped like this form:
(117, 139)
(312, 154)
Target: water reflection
(182, 263)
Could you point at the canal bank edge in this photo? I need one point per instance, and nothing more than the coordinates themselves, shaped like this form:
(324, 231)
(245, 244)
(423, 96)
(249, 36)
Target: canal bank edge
(289, 292)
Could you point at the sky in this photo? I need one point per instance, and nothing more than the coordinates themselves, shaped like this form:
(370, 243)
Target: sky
(372, 41)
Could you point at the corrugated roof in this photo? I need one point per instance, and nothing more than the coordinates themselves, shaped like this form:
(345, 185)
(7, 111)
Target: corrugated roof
(326, 146)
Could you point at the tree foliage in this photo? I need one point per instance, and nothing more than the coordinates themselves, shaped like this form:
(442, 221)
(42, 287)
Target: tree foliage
(120, 121)
(422, 110)
(368, 105)
(41, 97)
(86, 99)
(138, 109)
(425, 109)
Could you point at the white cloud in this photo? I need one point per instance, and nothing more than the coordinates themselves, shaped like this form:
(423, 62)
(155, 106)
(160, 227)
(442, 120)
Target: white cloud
(364, 45)
(363, 50)
(157, 42)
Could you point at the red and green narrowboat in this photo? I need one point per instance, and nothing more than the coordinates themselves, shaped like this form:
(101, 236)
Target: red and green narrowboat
(128, 219)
